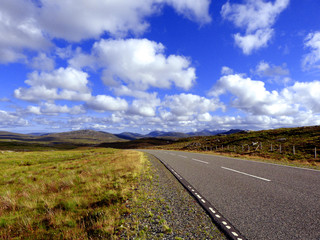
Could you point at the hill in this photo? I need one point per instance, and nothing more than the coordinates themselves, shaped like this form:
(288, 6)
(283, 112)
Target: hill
(286, 144)
(85, 136)
(64, 140)
(138, 143)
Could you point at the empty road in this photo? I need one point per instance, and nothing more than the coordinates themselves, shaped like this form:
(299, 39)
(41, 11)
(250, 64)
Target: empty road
(263, 201)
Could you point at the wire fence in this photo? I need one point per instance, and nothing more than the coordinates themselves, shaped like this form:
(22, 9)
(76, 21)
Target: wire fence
(259, 148)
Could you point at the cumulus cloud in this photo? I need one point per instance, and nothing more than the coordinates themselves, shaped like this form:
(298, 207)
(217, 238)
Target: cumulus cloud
(32, 25)
(190, 104)
(60, 84)
(138, 63)
(107, 103)
(118, 18)
(145, 106)
(42, 62)
(252, 97)
(53, 109)
(194, 10)
(254, 41)
(306, 94)
(19, 30)
(312, 59)
(256, 17)
(226, 70)
(264, 69)
(8, 119)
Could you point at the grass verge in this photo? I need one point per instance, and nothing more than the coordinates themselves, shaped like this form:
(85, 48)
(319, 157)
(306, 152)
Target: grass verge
(73, 194)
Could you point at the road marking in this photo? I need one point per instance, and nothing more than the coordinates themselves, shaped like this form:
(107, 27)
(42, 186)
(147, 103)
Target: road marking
(264, 179)
(253, 161)
(199, 161)
(182, 156)
(230, 231)
(211, 209)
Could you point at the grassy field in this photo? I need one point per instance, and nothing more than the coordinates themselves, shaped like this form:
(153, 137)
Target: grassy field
(70, 194)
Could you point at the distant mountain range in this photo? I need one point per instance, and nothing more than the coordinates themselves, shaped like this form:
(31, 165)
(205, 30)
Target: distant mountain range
(96, 137)
(162, 134)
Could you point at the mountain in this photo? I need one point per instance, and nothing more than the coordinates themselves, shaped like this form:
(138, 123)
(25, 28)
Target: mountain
(86, 136)
(16, 136)
(129, 135)
(206, 132)
(166, 134)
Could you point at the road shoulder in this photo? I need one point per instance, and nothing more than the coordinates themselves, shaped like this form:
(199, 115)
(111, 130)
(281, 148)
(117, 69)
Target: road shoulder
(166, 210)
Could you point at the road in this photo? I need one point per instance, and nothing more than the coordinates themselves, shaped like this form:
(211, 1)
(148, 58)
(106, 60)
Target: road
(262, 200)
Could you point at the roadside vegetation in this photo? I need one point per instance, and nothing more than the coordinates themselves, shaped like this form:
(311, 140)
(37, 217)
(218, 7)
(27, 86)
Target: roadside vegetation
(293, 146)
(67, 194)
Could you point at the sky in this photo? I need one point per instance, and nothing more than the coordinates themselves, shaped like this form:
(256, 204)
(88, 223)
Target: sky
(170, 65)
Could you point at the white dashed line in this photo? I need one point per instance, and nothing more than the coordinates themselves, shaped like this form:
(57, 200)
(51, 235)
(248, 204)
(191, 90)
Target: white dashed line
(182, 156)
(235, 234)
(199, 161)
(264, 179)
(211, 209)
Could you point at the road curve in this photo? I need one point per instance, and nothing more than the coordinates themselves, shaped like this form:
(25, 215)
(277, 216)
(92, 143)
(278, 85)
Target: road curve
(263, 201)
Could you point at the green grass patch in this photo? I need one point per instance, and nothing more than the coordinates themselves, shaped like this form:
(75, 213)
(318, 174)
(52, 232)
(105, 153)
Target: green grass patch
(70, 194)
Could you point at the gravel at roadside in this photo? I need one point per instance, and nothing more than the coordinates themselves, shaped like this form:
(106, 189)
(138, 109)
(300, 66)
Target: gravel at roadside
(166, 210)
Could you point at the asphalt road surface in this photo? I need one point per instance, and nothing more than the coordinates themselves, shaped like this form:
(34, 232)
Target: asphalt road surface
(263, 201)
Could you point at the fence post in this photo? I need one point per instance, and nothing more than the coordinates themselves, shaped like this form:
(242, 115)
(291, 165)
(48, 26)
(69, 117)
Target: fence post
(271, 148)
(294, 150)
(242, 147)
(315, 152)
(261, 145)
(234, 148)
(280, 148)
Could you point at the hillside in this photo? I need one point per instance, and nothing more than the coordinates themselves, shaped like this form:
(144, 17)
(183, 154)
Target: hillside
(64, 140)
(286, 144)
(85, 136)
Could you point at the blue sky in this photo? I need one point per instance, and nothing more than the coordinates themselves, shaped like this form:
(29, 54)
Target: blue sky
(172, 65)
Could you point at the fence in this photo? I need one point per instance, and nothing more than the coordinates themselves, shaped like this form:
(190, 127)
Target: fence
(260, 147)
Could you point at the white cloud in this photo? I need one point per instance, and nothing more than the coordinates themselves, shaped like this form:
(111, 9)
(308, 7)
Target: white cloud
(256, 17)
(63, 83)
(252, 97)
(194, 10)
(306, 94)
(190, 104)
(53, 109)
(145, 106)
(226, 70)
(31, 25)
(312, 59)
(11, 120)
(107, 103)
(255, 41)
(264, 69)
(139, 63)
(19, 30)
(42, 62)
(90, 19)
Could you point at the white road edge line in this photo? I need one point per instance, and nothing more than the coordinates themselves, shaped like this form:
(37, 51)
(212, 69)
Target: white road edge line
(264, 179)
(199, 161)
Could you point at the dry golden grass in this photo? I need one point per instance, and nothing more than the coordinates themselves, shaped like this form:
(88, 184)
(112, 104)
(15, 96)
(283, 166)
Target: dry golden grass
(75, 194)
